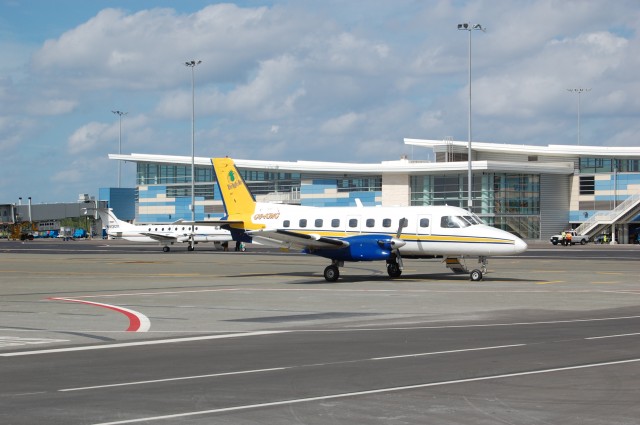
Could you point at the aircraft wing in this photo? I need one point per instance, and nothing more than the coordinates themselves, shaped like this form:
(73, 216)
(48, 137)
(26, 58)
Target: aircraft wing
(159, 238)
(289, 239)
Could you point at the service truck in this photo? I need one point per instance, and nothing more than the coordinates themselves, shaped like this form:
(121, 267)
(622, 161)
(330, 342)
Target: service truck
(575, 238)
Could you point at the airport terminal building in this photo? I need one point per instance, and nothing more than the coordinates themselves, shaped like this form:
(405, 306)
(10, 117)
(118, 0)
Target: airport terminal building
(532, 191)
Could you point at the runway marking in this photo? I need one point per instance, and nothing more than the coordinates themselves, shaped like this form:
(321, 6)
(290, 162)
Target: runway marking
(15, 341)
(550, 281)
(137, 343)
(138, 322)
(447, 352)
(124, 384)
(366, 392)
(613, 336)
(181, 378)
(408, 291)
(258, 333)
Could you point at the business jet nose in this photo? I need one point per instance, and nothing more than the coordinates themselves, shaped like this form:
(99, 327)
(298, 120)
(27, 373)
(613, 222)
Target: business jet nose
(519, 246)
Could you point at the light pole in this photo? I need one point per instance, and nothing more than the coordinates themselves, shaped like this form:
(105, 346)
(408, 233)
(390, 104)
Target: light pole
(467, 26)
(579, 91)
(120, 114)
(192, 64)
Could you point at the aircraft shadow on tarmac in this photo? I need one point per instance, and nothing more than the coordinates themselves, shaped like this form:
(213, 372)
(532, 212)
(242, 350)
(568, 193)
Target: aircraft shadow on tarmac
(315, 278)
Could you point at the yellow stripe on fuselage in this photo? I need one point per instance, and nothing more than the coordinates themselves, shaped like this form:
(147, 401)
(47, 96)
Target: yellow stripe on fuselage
(410, 237)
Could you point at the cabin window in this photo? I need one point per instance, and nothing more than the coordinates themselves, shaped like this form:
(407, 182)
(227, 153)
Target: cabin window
(370, 222)
(424, 222)
(303, 222)
(386, 222)
(286, 223)
(353, 222)
(318, 223)
(335, 223)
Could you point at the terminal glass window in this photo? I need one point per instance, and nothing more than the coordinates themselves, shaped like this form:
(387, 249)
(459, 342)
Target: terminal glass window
(608, 165)
(359, 184)
(510, 201)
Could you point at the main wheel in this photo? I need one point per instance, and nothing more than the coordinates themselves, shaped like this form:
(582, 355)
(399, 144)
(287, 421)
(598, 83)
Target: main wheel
(191, 248)
(476, 275)
(331, 273)
(394, 270)
(165, 249)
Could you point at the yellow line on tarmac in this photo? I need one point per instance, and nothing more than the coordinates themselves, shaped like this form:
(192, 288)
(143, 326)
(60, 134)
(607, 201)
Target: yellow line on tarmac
(550, 281)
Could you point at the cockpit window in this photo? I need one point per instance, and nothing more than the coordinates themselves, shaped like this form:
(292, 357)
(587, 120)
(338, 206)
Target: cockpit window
(455, 222)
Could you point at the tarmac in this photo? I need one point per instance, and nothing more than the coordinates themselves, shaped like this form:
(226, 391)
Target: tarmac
(113, 332)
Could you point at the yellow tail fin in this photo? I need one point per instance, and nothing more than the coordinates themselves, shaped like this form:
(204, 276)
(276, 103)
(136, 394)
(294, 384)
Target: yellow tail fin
(236, 196)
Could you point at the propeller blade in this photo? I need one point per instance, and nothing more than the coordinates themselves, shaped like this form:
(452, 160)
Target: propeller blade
(399, 242)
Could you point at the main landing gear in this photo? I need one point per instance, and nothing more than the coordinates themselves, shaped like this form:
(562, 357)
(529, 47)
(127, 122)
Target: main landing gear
(394, 267)
(332, 272)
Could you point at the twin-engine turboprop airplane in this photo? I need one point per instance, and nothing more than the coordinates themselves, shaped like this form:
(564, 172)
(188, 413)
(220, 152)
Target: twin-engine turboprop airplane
(364, 233)
(165, 234)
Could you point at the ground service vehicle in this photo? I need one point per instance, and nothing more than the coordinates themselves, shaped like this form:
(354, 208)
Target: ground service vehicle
(575, 238)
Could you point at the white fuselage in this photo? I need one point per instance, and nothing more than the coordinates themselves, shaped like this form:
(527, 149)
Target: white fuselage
(182, 233)
(430, 230)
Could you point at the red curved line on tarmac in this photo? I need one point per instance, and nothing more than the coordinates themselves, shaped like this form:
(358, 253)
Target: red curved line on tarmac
(134, 321)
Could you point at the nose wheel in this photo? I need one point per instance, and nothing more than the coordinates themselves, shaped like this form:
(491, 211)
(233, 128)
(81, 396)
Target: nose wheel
(475, 275)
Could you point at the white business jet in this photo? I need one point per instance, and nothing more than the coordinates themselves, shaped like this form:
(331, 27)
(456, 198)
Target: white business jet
(165, 234)
(364, 233)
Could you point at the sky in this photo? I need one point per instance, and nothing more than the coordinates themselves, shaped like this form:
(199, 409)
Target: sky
(288, 80)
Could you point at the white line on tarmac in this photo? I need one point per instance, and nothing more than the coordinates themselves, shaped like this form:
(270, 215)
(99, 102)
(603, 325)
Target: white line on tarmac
(215, 375)
(613, 336)
(181, 378)
(448, 352)
(367, 392)
(138, 343)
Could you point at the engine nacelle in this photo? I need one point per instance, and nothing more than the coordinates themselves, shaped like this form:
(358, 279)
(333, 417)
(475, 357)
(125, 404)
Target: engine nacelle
(363, 248)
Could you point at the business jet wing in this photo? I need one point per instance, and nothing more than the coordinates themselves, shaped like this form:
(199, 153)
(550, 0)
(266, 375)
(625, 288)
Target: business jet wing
(289, 239)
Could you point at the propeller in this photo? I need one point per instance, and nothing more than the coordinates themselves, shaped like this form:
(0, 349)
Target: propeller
(397, 243)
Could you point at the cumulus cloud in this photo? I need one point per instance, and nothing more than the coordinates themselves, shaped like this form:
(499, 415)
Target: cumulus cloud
(51, 106)
(87, 137)
(342, 124)
(293, 80)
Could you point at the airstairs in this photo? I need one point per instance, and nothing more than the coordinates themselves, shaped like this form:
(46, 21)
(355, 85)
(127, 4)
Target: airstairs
(623, 213)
